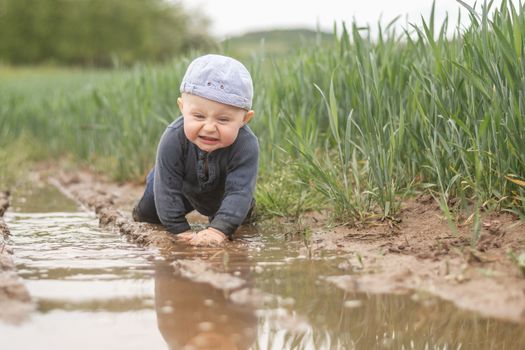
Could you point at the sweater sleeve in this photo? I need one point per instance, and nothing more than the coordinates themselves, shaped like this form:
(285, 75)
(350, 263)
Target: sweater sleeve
(167, 184)
(239, 187)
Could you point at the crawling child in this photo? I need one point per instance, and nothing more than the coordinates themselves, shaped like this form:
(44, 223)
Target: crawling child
(207, 159)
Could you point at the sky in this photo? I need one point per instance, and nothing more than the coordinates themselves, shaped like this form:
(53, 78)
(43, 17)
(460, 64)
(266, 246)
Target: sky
(234, 17)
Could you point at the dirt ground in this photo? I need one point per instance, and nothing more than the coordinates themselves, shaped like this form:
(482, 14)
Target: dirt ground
(420, 253)
(15, 302)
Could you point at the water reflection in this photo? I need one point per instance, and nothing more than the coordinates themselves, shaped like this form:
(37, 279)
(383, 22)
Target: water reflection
(41, 198)
(344, 320)
(193, 315)
(81, 278)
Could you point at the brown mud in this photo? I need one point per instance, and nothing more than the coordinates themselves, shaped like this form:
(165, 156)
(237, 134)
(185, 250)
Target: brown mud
(15, 301)
(419, 253)
(422, 253)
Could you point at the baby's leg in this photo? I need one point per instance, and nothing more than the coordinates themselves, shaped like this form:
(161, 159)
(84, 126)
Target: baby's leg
(144, 210)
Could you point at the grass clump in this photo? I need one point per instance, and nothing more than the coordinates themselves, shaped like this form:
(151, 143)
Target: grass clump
(280, 193)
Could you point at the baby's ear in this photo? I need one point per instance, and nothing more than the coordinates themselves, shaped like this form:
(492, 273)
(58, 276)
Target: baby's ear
(247, 117)
(180, 103)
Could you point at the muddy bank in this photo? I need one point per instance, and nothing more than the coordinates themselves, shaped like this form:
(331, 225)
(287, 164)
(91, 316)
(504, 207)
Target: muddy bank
(420, 253)
(423, 253)
(15, 302)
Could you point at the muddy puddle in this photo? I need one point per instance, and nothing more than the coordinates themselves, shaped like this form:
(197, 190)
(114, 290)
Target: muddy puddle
(94, 289)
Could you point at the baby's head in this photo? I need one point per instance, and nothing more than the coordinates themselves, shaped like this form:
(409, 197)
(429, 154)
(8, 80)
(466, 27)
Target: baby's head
(216, 101)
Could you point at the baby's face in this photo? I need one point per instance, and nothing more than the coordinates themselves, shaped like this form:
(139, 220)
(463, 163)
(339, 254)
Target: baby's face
(211, 125)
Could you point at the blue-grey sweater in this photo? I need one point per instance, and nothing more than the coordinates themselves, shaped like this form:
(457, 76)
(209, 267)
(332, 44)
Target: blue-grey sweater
(224, 194)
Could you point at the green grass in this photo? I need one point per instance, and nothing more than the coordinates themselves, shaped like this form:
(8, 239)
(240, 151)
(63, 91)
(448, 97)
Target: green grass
(110, 119)
(355, 127)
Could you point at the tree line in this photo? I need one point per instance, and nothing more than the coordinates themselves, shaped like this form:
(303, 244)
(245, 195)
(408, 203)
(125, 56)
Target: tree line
(98, 32)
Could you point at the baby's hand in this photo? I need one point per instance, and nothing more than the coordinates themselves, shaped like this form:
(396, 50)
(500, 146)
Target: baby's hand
(185, 236)
(208, 237)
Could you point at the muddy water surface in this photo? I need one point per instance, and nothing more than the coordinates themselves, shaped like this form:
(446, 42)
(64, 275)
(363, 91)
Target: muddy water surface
(96, 290)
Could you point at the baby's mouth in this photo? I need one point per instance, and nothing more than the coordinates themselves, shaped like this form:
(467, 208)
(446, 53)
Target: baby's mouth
(209, 139)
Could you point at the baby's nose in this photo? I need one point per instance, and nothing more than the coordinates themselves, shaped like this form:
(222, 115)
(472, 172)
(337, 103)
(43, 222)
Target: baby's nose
(209, 126)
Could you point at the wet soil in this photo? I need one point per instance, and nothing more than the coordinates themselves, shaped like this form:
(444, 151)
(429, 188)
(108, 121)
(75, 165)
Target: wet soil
(15, 302)
(420, 252)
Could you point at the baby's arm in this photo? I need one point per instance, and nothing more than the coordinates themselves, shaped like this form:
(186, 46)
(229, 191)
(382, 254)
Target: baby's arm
(239, 187)
(167, 185)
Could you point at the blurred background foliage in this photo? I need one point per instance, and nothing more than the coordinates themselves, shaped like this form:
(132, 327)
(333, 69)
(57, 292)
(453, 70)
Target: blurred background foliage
(110, 33)
(98, 32)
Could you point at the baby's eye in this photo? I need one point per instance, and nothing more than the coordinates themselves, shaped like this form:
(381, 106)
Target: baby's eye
(224, 120)
(199, 116)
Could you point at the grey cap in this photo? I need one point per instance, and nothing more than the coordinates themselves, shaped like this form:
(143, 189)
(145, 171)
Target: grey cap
(221, 79)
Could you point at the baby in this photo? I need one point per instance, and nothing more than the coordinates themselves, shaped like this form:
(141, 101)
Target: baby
(207, 159)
